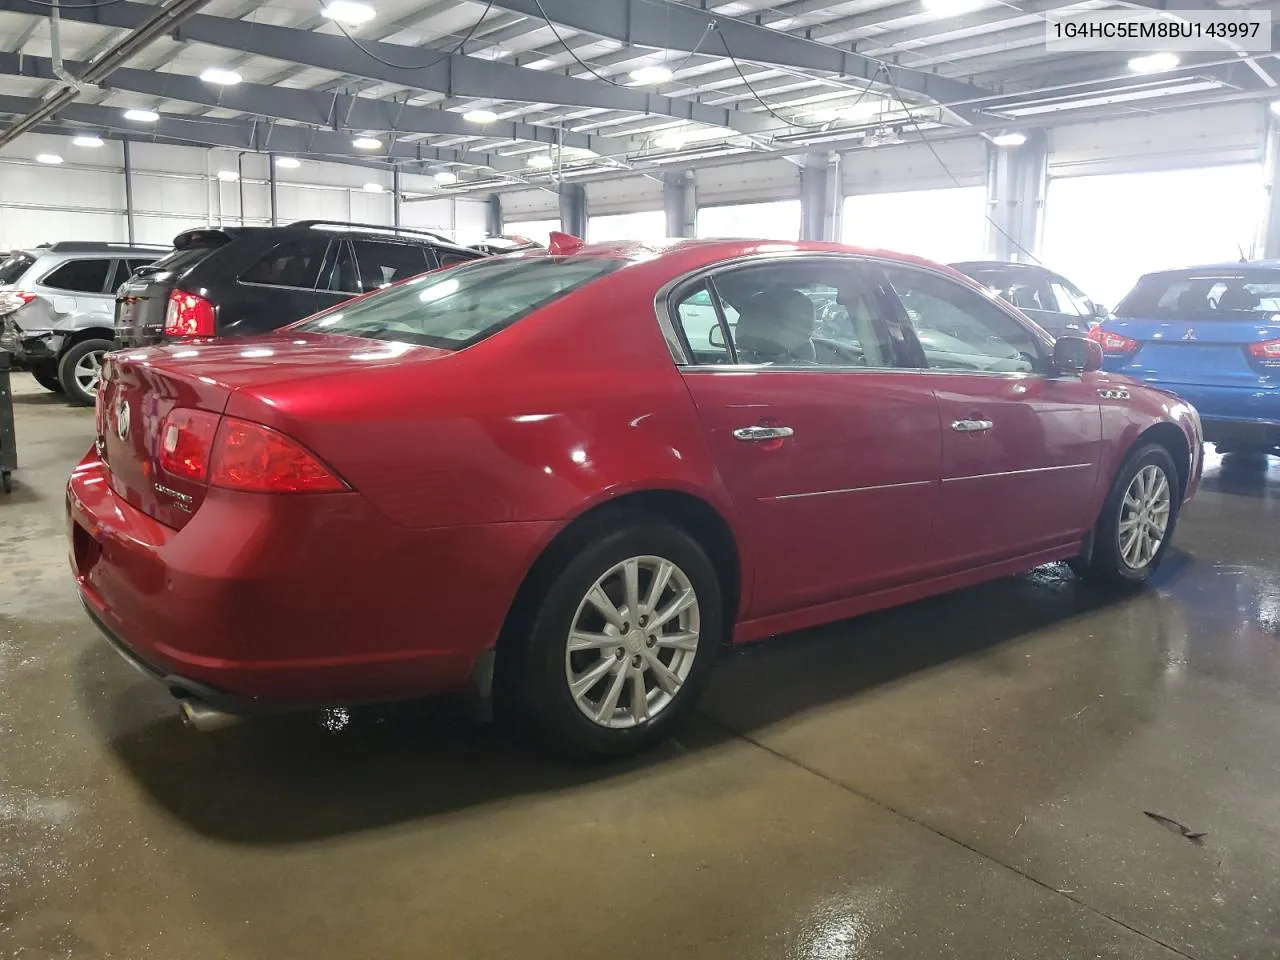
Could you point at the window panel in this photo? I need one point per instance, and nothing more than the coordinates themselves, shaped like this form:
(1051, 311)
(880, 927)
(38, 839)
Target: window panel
(777, 220)
(959, 329)
(80, 276)
(944, 225)
(381, 264)
(293, 263)
(645, 226)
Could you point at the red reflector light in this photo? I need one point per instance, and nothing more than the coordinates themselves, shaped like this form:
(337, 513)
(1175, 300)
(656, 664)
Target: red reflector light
(1266, 350)
(1112, 342)
(186, 443)
(188, 316)
(249, 456)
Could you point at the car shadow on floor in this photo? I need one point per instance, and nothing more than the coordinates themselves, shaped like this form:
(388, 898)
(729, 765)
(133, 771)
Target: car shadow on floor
(289, 779)
(1242, 475)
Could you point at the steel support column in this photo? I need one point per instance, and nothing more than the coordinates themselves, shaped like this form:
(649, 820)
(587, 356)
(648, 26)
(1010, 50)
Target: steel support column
(128, 192)
(271, 189)
(1016, 182)
(679, 201)
(1270, 239)
(820, 197)
(573, 209)
(493, 215)
(395, 197)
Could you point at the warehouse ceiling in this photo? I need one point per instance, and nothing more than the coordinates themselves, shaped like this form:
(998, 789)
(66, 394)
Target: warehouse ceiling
(502, 92)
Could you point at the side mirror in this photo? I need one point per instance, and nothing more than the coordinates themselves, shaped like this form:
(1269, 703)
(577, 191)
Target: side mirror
(1073, 356)
(715, 336)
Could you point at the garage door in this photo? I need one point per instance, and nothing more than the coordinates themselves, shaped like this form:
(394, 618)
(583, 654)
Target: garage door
(778, 220)
(645, 225)
(1103, 232)
(538, 230)
(945, 224)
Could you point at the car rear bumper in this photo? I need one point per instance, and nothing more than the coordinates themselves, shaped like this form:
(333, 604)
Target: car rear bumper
(30, 346)
(264, 603)
(1246, 433)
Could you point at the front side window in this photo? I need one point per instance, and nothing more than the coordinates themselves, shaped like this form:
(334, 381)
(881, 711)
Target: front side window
(959, 329)
(796, 313)
(292, 263)
(1025, 289)
(80, 276)
(452, 309)
(380, 264)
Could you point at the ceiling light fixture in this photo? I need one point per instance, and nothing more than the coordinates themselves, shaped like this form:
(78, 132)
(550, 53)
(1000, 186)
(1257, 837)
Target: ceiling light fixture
(228, 176)
(348, 12)
(288, 163)
(141, 116)
(480, 116)
(1154, 63)
(446, 177)
(220, 77)
(373, 188)
(49, 158)
(540, 160)
(86, 140)
(1011, 138)
(367, 143)
(647, 76)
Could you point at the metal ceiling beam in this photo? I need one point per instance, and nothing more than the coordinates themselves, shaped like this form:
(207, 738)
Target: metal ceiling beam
(666, 25)
(422, 69)
(259, 137)
(320, 109)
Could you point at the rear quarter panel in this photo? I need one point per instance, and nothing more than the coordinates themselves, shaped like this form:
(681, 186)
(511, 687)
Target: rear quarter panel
(570, 407)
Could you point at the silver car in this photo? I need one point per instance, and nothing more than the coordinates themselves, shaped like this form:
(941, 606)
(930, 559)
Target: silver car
(56, 308)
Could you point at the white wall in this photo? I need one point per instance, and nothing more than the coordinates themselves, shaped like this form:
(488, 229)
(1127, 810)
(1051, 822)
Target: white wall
(176, 188)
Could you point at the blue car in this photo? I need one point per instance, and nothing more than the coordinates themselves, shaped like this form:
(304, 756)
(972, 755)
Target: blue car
(1212, 336)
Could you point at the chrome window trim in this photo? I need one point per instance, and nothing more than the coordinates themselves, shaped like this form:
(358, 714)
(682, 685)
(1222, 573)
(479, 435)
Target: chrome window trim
(667, 323)
(282, 286)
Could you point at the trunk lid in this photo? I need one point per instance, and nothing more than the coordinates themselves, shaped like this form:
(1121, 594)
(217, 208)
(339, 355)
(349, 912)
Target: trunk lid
(1200, 349)
(140, 388)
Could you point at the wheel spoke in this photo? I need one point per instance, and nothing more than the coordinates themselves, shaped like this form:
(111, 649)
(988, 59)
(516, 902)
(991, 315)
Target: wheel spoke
(600, 600)
(610, 701)
(682, 640)
(581, 640)
(590, 677)
(631, 586)
(639, 699)
(661, 577)
(682, 602)
(1130, 502)
(667, 681)
(1162, 489)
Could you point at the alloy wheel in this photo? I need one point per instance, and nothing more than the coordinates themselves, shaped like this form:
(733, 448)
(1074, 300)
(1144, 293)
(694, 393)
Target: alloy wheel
(88, 372)
(632, 642)
(1144, 516)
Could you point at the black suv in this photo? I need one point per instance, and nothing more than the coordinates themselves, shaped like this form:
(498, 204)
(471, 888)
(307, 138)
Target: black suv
(1046, 297)
(237, 281)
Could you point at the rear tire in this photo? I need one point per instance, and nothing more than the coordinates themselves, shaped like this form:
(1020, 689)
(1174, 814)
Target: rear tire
(1137, 520)
(80, 368)
(648, 672)
(46, 374)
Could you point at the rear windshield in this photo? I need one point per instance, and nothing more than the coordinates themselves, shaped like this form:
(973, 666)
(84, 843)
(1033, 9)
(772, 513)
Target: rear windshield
(1214, 293)
(462, 305)
(14, 266)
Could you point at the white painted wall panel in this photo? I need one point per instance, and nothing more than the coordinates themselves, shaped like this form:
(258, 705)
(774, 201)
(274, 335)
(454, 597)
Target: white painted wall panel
(894, 168)
(630, 195)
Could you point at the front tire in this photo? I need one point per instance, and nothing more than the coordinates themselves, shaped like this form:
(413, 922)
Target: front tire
(80, 370)
(622, 643)
(1137, 520)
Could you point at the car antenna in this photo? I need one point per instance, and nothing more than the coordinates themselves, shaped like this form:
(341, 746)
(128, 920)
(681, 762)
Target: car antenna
(1240, 247)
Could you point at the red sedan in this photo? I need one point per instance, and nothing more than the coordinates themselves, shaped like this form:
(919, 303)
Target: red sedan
(567, 479)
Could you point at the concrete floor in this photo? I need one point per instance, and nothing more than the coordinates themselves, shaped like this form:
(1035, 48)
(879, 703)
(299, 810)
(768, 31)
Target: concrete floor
(966, 777)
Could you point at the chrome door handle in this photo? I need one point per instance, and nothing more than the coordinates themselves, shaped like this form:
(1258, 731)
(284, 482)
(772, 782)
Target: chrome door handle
(971, 426)
(757, 434)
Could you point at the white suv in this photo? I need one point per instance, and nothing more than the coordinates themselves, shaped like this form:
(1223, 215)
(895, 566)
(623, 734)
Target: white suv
(56, 307)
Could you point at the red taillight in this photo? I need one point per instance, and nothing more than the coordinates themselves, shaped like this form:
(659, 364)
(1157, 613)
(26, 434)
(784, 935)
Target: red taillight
(24, 298)
(1266, 350)
(1112, 342)
(186, 443)
(239, 455)
(188, 316)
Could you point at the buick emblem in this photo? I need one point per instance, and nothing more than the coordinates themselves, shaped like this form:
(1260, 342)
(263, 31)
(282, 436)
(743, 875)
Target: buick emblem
(122, 418)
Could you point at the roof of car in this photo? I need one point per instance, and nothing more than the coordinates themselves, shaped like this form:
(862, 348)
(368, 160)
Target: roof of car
(1235, 267)
(1000, 264)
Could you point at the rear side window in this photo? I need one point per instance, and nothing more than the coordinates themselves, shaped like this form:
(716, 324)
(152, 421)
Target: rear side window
(80, 276)
(292, 263)
(381, 264)
(1213, 294)
(180, 261)
(1025, 289)
(451, 259)
(456, 308)
(14, 266)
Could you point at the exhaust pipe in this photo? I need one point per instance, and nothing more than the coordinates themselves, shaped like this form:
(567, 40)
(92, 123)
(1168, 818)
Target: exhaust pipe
(202, 717)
